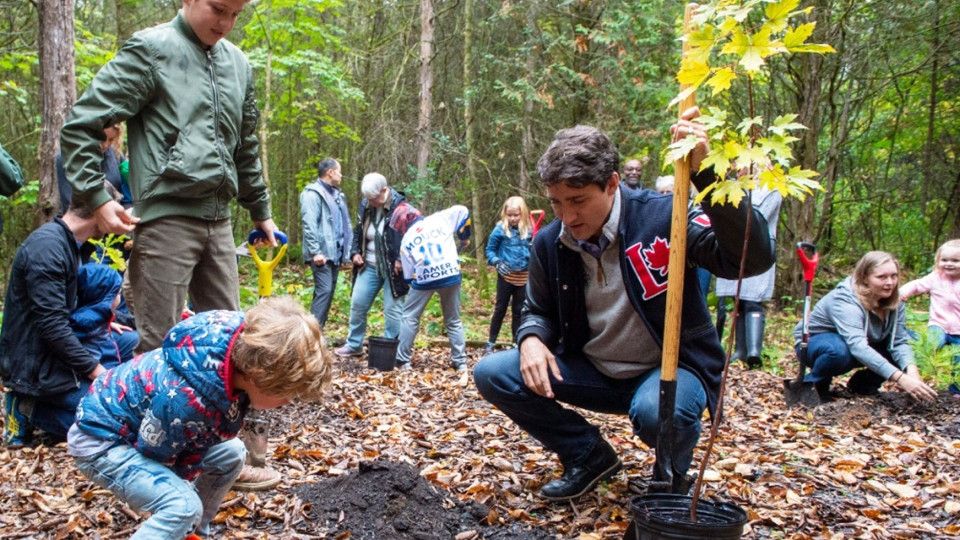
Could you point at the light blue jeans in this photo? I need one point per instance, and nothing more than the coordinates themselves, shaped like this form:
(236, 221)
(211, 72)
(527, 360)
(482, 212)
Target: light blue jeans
(178, 507)
(450, 304)
(564, 430)
(365, 289)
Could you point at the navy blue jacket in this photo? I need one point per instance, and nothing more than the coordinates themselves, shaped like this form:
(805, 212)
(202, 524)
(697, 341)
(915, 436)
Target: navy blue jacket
(555, 305)
(39, 353)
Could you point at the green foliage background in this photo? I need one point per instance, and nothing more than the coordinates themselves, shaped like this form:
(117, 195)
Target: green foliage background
(344, 81)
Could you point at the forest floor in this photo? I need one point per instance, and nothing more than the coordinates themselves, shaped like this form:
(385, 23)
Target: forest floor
(419, 455)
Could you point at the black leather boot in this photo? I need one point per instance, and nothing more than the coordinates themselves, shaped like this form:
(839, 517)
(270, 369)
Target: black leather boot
(601, 464)
(754, 339)
(865, 383)
(823, 391)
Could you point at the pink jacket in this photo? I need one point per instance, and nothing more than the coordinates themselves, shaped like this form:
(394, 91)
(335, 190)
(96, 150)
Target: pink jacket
(944, 300)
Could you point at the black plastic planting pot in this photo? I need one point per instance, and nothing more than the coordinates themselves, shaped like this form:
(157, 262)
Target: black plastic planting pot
(667, 516)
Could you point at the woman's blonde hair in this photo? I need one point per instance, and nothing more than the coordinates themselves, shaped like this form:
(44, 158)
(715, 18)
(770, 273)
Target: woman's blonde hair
(282, 350)
(949, 244)
(867, 264)
(517, 202)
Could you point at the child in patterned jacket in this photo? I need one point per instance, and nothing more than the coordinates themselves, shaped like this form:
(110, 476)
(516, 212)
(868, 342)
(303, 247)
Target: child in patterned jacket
(170, 417)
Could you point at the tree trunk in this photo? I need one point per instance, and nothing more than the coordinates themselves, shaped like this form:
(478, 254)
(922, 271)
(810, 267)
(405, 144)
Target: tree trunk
(469, 103)
(527, 150)
(426, 88)
(58, 91)
(928, 173)
(264, 118)
(800, 222)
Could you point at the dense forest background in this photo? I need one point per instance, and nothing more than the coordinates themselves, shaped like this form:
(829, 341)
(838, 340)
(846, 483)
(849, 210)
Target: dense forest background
(455, 100)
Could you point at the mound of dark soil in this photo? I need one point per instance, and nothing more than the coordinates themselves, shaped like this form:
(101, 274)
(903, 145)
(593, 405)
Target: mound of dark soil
(390, 500)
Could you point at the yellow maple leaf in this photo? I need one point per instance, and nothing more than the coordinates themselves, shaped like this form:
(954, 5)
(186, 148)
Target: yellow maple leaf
(779, 12)
(693, 72)
(752, 49)
(798, 36)
(721, 80)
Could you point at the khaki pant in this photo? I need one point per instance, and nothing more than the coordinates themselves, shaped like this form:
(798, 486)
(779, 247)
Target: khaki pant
(176, 256)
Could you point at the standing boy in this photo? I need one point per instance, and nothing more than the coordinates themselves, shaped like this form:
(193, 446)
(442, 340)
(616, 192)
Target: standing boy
(431, 263)
(187, 96)
(170, 417)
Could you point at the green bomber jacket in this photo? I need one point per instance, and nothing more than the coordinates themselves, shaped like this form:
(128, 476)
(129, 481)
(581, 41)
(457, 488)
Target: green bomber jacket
(191, 115)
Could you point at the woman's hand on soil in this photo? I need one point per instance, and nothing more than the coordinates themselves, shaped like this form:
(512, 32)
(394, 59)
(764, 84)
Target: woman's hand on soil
(917, 389)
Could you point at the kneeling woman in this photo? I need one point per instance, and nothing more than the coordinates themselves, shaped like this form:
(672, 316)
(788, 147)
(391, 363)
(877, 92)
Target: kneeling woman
(862, 324)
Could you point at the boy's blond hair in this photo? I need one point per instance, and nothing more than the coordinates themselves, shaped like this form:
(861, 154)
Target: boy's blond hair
(282, 350)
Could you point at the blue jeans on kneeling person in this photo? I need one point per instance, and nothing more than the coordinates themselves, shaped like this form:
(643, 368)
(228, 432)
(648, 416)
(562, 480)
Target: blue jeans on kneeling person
(828, 356)
(564, 430)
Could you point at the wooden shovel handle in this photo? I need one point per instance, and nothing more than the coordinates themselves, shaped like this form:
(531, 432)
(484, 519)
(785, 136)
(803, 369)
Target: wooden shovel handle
(678, 240)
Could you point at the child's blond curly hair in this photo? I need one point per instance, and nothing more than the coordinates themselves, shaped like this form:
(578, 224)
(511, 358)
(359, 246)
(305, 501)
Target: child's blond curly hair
(282, 350)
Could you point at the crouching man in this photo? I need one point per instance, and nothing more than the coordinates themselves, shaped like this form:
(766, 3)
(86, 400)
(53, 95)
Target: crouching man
(593, 321)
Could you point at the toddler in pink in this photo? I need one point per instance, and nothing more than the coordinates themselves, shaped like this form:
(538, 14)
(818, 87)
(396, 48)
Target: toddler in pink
(943, 285)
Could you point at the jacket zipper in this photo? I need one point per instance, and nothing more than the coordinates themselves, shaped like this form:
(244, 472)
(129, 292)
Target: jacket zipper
(216, 129)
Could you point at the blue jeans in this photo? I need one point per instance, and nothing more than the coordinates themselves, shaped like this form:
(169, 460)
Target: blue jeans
(565, 431)
(324, 285)
(704, 276)
(828, 356)
(126, 343)
(944, 338)
(365, 289)
(450, 304)
(54, 414)
(178, 507)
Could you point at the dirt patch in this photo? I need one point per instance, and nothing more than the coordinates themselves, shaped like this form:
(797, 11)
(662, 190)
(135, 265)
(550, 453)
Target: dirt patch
(384, 499)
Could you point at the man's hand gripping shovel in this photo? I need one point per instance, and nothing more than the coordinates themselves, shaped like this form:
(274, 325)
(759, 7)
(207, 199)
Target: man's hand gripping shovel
(796, 390)
(265, 268)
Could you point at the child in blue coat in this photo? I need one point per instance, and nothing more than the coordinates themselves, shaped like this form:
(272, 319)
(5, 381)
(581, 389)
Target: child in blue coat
(160, 431)
(508, 250)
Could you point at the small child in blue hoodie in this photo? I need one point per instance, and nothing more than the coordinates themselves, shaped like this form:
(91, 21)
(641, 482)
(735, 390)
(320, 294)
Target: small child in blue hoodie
(98, 295)
(160, 431)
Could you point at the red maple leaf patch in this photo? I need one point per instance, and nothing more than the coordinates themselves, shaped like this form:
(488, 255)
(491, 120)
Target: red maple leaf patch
(658, 256)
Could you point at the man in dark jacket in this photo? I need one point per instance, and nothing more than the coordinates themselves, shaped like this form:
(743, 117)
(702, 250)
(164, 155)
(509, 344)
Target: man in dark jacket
(593, 321)
(42, 361)
(382, 218)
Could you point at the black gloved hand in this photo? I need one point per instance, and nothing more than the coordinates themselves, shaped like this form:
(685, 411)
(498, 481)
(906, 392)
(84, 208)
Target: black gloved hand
(502, 268)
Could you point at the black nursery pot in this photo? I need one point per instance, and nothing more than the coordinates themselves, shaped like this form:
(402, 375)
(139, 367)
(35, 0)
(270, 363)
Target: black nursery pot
(667, 516)
(382, 353)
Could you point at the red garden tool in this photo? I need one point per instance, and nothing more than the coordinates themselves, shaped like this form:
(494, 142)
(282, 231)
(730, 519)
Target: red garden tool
(796, 390)
(536, 218)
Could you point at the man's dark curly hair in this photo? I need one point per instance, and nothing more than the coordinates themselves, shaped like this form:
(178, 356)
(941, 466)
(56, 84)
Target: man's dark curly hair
(579, 156)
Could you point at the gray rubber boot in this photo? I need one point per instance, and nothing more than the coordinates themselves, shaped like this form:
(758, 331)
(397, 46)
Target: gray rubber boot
(754, 338)
(740, 348)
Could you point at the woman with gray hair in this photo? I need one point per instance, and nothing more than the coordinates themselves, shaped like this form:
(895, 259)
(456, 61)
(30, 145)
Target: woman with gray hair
(382, 219)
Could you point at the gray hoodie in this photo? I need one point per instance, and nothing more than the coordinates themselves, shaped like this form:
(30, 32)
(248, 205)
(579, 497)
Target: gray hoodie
(840, 312)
